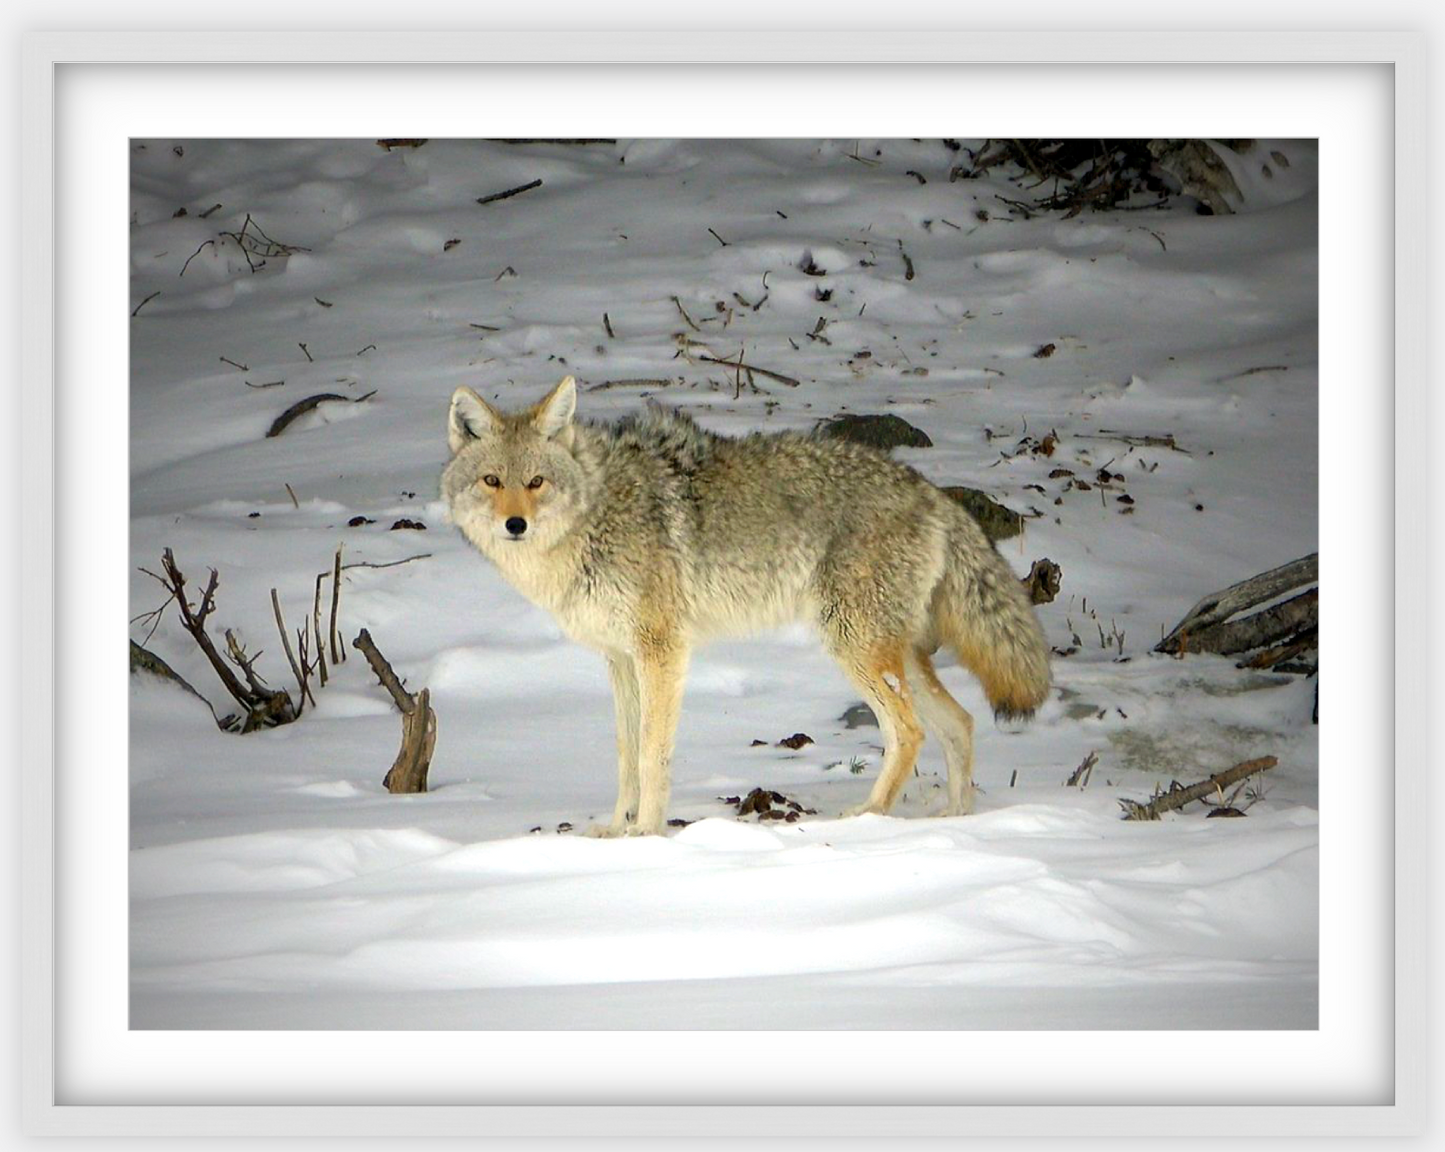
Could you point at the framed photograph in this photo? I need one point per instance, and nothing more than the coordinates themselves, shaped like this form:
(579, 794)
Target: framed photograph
(661, 577)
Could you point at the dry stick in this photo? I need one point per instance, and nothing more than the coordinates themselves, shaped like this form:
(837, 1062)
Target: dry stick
(316, 627)
(194, 254)
(146, 301)
(685, 316)
(607, 324)
(634, 382)
(295, 503)
(305, 349)
(1165, 441)
(907, 262)
(305, 692)
(587, 140)
(510, 192)
(1178, 797)
(392, 564)
(778, 376)
(338, 651)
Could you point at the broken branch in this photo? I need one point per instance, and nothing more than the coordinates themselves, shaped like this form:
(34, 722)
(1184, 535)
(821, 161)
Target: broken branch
(1177, 797)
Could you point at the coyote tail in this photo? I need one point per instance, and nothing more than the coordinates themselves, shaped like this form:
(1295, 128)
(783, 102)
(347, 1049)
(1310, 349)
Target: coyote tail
(982, 611)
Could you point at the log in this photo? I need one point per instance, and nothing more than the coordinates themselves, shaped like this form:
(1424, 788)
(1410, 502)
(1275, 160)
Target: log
(1280, 622)
(1178, 797)
(1217, 607)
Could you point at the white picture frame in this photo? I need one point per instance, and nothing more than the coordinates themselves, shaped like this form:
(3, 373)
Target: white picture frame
(47, 1108)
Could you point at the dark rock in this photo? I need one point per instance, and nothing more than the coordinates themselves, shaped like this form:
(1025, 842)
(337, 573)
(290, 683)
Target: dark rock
(859, 716)
(997, 522)
(882, 432)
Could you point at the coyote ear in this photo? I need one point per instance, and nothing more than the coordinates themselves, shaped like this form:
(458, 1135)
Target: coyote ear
(554, 414)
(470, 417)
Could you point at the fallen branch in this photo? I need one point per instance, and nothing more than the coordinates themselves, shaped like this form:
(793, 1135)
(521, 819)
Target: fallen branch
(1178, 796)
(509, 193)
(301, 407)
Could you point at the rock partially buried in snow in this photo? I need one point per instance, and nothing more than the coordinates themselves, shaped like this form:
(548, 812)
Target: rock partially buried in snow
(859, 716)
(997, 522)
(882, 432)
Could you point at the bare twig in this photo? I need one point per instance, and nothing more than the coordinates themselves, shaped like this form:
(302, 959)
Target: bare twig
(303, 690)
(193, 255)
(1079, 777)
(685, 316)
(146, 301)
(634, 382)
(391, 564)
(778, 376)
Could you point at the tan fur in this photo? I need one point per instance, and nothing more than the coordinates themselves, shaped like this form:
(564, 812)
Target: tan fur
(648, 538)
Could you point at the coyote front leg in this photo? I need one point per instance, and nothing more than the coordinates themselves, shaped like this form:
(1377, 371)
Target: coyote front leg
(626, 706)
(661, 671)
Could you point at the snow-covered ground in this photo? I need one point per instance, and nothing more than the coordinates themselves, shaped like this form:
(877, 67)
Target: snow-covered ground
(275, 883)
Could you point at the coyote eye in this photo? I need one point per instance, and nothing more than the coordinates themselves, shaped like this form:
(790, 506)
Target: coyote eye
(491, 481)
(535, 482)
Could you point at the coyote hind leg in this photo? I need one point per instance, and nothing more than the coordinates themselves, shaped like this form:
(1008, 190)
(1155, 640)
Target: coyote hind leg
(948, 722)
(880, 675)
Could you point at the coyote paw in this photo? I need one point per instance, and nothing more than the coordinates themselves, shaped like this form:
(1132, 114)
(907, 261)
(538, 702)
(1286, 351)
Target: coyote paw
(864, 810)
(606, 831)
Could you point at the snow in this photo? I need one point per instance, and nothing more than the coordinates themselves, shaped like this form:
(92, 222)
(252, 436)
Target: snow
(274, 882)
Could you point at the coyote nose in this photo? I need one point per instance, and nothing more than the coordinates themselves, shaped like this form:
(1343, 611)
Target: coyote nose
(516, 525)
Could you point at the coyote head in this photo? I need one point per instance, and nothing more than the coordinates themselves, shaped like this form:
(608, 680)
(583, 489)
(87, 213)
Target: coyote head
(512, 480)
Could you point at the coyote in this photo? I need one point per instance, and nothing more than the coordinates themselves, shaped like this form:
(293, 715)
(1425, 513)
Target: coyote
(650, 536)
